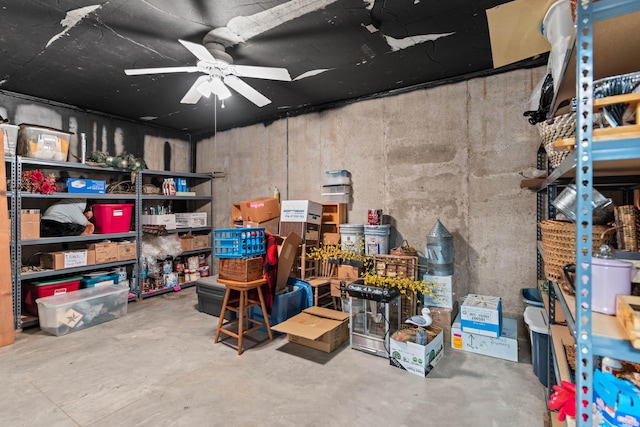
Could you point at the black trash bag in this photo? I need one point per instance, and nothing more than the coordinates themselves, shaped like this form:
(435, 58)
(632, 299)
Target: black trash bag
(546, 98)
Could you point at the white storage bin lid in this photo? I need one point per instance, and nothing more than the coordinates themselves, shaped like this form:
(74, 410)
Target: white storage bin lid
(536, 319)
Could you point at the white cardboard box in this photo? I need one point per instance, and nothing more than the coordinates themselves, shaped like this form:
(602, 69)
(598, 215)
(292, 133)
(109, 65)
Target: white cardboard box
(191, 219)
(505, 347)
(482, 315)
(415, 358)
(301, 211)
(168, 220)
(443, 294)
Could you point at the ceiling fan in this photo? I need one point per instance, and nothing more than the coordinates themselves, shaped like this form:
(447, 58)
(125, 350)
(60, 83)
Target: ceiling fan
(219, 72)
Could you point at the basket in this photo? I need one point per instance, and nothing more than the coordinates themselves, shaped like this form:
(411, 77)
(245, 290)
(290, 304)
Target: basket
(559, 127)
(239, 242)
(627, 224)
(559, 245)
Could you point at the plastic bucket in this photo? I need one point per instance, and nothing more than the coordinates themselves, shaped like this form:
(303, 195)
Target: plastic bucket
(376, 239)
(352, 238)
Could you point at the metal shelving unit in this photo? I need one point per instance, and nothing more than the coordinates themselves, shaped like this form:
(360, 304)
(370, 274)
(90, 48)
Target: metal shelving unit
(19, 164)
(16, 164)
(595, 334)
(202, 201)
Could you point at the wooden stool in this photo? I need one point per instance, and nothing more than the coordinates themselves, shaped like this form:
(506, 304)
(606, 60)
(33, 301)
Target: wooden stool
(321, 289)
(241, 306)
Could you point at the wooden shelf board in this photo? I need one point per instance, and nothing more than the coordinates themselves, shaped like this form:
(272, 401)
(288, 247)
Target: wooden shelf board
(560, 336)
(601, 324)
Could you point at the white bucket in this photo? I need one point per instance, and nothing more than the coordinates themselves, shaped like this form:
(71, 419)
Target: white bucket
(352, 237)
(376, 239)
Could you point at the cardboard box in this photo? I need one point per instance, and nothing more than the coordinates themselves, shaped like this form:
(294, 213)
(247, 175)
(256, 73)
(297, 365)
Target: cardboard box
(348, 272)
(416, 358)
(241, 269)
(191, 219)
(105, 252)
(481, 315)
(505, 347)
(301, 211)
(616, 401)
(443, 292)
(287, 254)
(64, 259)
(201, 241)
(270, 225)
(186, 242)
(91, 257)
(86, 186)
(168, 220)
(444, 317)
(317, 327)
(29, 226)
(260, 210)
(127, 251)
(236, 214)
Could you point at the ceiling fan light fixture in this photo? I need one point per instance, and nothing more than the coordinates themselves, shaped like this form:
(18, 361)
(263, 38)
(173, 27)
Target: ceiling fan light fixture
(219, 88)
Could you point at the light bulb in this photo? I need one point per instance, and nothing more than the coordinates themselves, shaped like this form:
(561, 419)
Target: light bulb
(222, 104)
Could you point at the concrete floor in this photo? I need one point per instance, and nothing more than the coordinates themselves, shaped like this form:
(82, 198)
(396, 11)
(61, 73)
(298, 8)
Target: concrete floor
(158, 366)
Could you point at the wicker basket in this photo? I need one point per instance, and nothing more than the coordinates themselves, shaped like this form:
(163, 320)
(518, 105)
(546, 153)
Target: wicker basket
(559, 127)
(559, 245)
(627, 222)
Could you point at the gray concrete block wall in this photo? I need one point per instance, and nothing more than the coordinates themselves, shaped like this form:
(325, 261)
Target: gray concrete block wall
(451, 152)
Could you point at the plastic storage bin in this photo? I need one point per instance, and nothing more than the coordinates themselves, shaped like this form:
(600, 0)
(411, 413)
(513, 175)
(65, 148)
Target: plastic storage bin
(62, 314)
(337, 177)
(43, 143)
(10, 138)
(239, 242)
(112, 218)
(210, 297)
(35, 290)
(536, 320)
(285, 305)
(532, 297)
(96, 280)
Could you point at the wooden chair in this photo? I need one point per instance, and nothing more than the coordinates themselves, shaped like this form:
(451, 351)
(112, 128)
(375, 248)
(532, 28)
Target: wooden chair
(241, 306)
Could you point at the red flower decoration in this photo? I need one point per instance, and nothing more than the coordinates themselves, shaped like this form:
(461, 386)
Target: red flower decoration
(35, 181)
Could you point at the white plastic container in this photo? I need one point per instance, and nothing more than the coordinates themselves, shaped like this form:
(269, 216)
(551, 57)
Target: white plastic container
(337, 177)
(73, 311)
(352, 238)
(10, 138)
(376, 239)
(335, 197)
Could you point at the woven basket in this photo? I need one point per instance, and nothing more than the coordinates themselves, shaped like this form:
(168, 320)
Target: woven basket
(559, 127)
(559, 245)
(627, 221)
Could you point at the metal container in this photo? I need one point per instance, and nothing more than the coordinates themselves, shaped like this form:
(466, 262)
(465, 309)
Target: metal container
(439, 251)
(566, 202)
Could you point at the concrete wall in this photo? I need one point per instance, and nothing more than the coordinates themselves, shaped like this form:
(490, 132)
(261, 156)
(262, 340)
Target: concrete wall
(452, 152)
(105, 134)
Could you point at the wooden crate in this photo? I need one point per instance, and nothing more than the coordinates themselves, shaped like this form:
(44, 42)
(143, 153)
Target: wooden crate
(400, 266)
(241, 269)
(396, 266)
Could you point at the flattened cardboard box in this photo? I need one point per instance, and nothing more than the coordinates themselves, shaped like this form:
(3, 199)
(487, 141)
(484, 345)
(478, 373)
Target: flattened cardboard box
(317, 327)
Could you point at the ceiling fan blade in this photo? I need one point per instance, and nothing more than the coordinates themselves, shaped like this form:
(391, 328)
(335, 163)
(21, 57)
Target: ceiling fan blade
(247, 91)
(161, 70)
(271, 73)
(193, 95)
(198, 50)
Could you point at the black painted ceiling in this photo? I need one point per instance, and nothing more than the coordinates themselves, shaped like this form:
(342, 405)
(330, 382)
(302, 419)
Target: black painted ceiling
(75, 52)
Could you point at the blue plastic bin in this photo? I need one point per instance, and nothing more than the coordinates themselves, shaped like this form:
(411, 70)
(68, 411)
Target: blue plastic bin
(91, 282)
(532, 297)
(239, 242)
(287, 304)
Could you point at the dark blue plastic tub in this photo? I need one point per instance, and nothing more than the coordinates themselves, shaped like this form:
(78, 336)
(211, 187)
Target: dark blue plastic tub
(532, 297)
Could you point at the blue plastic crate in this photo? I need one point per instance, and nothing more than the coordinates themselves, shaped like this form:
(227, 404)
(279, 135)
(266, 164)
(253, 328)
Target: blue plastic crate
(239, 242)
